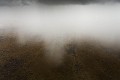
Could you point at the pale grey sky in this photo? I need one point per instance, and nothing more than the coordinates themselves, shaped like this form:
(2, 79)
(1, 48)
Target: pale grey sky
(101, 21)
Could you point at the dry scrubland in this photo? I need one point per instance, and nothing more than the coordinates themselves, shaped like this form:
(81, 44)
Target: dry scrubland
(86, 60)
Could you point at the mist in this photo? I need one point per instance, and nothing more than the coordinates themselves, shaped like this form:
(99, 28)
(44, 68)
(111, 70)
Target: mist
(94, 20)
(57, 24)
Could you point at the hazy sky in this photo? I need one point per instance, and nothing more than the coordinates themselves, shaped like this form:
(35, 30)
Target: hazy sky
(100, 21)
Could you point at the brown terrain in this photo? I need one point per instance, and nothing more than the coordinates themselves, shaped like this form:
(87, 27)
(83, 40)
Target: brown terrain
(86, 60)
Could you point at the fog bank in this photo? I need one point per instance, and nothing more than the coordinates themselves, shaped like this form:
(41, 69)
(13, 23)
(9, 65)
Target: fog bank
(98, 21)
(61, 23)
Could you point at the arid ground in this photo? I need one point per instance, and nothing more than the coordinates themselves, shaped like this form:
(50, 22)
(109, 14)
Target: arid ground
(81, 60)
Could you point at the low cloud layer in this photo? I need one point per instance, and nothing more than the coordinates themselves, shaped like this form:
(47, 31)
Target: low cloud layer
(76, 1)
(52, 2)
